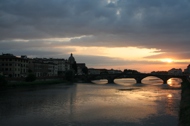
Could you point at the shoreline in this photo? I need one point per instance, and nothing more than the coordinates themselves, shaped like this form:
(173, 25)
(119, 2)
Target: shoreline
(36, 83)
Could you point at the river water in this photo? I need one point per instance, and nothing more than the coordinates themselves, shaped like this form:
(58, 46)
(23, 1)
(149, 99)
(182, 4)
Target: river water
(122, 104)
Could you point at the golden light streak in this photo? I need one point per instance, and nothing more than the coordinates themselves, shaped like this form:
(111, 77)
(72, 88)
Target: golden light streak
(125, 53)
(167, 60)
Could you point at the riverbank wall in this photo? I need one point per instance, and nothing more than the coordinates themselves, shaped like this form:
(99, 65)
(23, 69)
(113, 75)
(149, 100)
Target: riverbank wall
(20, 82)
(184, 113)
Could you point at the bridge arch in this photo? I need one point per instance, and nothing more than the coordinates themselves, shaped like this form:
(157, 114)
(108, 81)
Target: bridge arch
(175, 82)
(152, 80)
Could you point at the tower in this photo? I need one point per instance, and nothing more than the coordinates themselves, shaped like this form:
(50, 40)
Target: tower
(72, 62)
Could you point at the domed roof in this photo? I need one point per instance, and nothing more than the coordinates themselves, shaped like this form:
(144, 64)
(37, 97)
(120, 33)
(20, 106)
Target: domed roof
(71, 59)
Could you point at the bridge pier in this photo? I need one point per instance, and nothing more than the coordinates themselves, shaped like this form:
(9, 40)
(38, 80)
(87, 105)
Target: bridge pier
(165, 81)
(138, 80)
(110, 80)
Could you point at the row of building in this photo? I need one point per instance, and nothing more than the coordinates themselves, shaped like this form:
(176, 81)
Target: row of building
(174, 71)
(13, 66)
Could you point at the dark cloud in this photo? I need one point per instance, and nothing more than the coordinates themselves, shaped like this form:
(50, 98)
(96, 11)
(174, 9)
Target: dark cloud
(78, 17)
(161, 24)
(34, 48)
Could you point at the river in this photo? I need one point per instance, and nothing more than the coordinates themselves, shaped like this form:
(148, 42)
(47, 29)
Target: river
(84, 104)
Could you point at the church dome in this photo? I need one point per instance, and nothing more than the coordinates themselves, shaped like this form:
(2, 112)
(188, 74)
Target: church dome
(71, 59)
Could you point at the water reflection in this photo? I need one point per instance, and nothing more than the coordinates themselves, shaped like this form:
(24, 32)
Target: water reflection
(110, 104)
(152, 80)
(101, 81)
(125, 81)
(90, 104)
(174, 82)
(169, 95)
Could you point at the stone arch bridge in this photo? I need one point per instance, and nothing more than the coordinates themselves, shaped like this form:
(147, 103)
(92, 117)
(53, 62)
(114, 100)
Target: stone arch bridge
(138, 77)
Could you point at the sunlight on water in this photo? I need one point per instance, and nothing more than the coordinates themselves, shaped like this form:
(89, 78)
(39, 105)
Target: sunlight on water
(92, 104)
(169, 95)
(174, 82)
(101, 81)
(152, 81)
(113, 105)
(125, 81)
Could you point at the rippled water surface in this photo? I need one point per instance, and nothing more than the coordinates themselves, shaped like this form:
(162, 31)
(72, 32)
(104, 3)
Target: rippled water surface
(122, 104)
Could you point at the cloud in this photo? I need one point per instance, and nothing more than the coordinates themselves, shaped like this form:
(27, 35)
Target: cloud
(172, 55)
(26, 25)
(34, 48)
(70, 18)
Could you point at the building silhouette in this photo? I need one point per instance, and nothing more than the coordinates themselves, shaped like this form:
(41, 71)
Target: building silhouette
(16, 67)
(12, 66)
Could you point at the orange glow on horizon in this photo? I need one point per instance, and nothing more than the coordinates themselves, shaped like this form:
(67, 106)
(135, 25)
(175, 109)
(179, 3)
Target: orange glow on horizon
(167, 60)
(144, 60)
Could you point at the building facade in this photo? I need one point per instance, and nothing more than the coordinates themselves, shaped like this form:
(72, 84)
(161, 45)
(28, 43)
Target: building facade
(48, 67)
(12, 66)
(37, 67)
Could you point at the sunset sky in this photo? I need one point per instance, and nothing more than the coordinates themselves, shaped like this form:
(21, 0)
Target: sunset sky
(145, 35)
